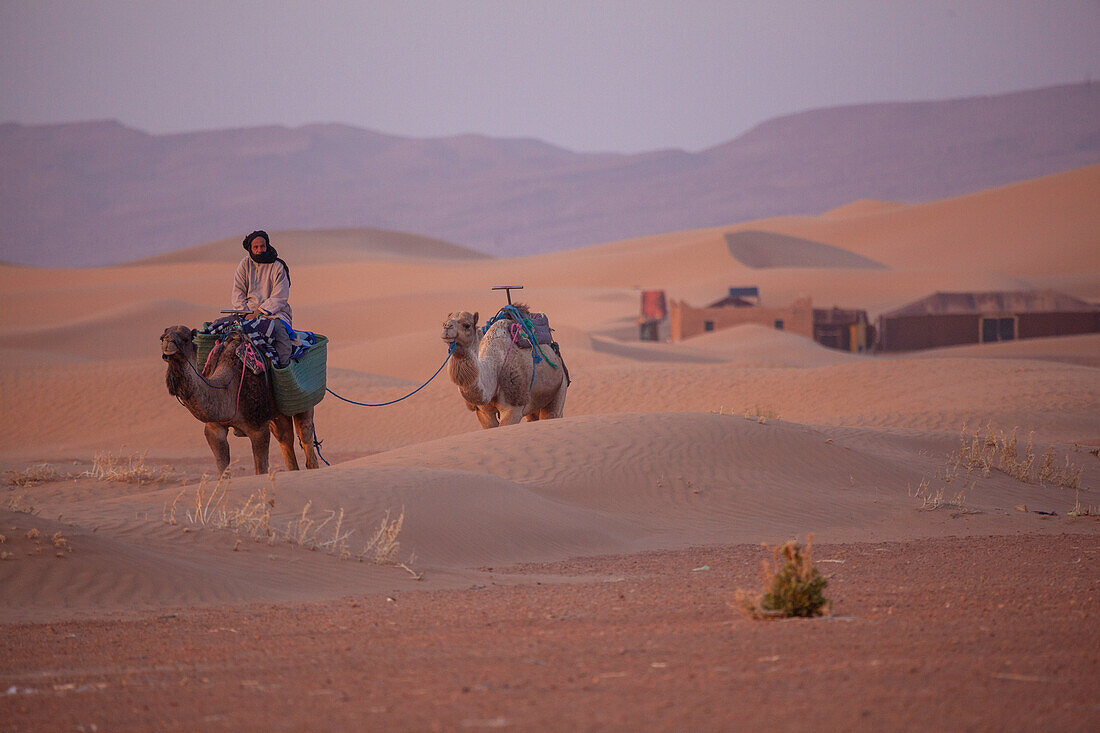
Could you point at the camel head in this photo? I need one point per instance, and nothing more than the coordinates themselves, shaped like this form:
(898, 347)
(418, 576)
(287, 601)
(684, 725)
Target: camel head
(178, 340)
(460, 329)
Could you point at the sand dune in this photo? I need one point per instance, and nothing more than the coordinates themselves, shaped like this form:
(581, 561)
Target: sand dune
(742, 435)
(1043, 226)
(328, 245)
(1083, 350)
(550, 490)
(862, 207)
(768, 249)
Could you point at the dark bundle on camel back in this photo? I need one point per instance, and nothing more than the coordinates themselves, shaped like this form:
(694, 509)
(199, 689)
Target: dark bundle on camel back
(216, 395)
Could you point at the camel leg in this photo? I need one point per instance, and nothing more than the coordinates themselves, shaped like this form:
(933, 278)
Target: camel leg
(556, 408)
(217, 438)
(511, 415)
(307, 433)
(261, 442)
(487, 416)
(284, 436)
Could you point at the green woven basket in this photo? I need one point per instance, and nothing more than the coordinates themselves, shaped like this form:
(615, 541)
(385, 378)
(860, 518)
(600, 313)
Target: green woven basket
(298, 386)
(301, 385)
(204, 342)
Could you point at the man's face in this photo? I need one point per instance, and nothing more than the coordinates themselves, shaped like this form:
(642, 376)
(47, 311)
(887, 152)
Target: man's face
(258, 245)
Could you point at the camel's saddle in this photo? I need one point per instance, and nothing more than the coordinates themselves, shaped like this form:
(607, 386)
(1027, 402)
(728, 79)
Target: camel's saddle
(296, 387)
(530, 326)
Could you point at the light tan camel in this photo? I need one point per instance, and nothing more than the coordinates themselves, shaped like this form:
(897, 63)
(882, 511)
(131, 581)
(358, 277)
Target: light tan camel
(494, 375)
(216, 397)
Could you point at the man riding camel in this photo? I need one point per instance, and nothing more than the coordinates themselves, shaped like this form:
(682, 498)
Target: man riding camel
(261, 286)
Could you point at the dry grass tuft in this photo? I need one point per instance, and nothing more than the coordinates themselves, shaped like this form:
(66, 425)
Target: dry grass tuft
(1011, 462)
(1051, 473)
(208, 500)
(985, 450)
(325, 531)
(168, 514)
(60, 543)
(382, 547)
(253, 518)
(930, 502)
(130, 469)
(299, 531)
(1080, 510)
(36, 474)
(210, 508)
(793, 587)
(761, 414)
(20, 503)
(309, 532)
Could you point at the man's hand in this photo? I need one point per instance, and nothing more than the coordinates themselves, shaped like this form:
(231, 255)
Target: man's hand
(255, 313)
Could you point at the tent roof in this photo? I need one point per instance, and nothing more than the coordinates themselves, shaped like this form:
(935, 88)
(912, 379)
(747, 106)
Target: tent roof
(1020, 301)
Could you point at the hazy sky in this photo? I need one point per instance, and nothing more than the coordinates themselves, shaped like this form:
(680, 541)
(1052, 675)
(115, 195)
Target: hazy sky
(590, 75)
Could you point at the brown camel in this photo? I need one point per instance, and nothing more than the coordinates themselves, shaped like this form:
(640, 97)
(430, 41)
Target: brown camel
(494, 376)
(217, 397)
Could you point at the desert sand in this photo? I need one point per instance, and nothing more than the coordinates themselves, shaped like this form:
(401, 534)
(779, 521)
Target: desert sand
(550, 573)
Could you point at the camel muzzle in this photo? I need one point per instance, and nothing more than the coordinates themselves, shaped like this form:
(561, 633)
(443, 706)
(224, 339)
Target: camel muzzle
(169, 347)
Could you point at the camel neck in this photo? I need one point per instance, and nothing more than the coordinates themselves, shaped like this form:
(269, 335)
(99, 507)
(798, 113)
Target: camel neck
(475, 371)
(463, 369)
(201, 400)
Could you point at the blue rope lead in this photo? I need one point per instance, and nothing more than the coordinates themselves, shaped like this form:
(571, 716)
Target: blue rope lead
(316, 446)
(450, 350)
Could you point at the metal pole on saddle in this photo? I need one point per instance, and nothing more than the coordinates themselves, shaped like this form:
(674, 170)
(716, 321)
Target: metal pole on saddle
(508, 290)
(238, 316)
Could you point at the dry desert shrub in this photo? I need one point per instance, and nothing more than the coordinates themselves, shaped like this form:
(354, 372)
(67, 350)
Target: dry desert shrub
(131, 469)
(793, 587)
(31, 475)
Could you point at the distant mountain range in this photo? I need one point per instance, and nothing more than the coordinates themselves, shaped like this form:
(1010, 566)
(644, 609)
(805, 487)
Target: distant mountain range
(97, 193)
